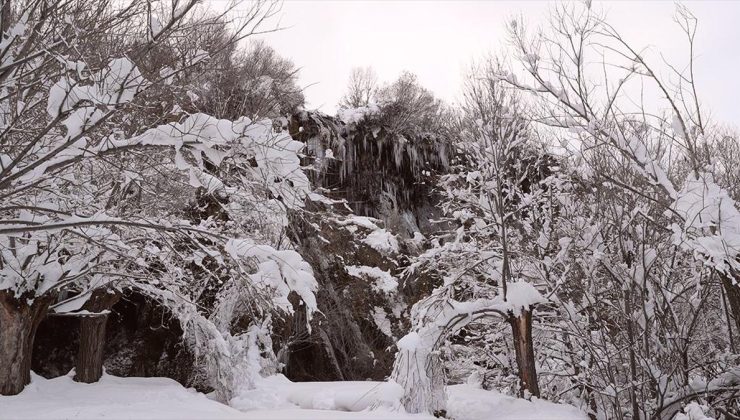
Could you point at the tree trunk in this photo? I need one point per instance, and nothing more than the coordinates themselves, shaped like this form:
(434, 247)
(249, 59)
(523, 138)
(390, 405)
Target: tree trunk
(732, 290)
(521, 328)
(631, 351)
(5, 12)
(18, 324)
(89, 367)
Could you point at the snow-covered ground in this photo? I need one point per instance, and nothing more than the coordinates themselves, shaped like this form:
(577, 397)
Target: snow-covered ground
(277, 399)
(111, 398)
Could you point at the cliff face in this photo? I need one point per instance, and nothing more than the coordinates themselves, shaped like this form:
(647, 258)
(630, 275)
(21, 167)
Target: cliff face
(378, 173)
(142, 339)
(381, 208)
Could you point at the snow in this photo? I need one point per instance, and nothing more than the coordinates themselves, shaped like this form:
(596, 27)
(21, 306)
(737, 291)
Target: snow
(383, 280)
(276, 398)
(379, 239)
(677, 127)
(284, 271)
(693, 411)
(382, 240)
(409, 341)
(117, 84)
(416, 366)
(361, 221)
(355, 115)
(354, 399)
(299, 414)
(471, 403)
(112, 397)
(155, 26)
(711, 227)
(382, 321)
(522, 295)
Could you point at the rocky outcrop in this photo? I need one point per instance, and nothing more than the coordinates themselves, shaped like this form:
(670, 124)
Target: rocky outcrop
(379, 183)
(378, 207)
(379, 173)
(142, 339)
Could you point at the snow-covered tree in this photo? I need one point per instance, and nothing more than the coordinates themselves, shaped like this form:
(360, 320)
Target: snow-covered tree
(98, 164)
(647, 238)
(487, 267)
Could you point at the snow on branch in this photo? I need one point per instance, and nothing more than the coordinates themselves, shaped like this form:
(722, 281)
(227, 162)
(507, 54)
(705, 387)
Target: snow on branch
(283, 271)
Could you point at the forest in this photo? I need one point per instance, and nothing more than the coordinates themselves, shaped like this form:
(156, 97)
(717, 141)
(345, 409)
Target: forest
(181, 236)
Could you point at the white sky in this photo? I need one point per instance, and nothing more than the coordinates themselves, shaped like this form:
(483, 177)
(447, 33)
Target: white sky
(438, 40)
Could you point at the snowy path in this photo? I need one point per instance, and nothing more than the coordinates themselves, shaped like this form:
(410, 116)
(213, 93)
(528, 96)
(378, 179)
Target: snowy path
(278, 399)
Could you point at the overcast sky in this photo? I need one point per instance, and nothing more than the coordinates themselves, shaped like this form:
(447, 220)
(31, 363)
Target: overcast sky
(438, 40)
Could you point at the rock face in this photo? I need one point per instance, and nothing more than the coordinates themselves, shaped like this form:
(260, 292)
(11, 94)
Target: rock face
(358, 299)
(142, 339)
(381, 201)
(378, 173)
(381, 182)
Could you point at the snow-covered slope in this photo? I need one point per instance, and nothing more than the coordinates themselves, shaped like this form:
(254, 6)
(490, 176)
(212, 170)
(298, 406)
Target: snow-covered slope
(277, 398)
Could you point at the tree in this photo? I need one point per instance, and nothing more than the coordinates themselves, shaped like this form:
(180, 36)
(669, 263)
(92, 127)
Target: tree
(642, 139)
(88, 159)
(653, 236)
(256, 82)
(406, 106)
(491, 197)
(508, 196)
(361, 88)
